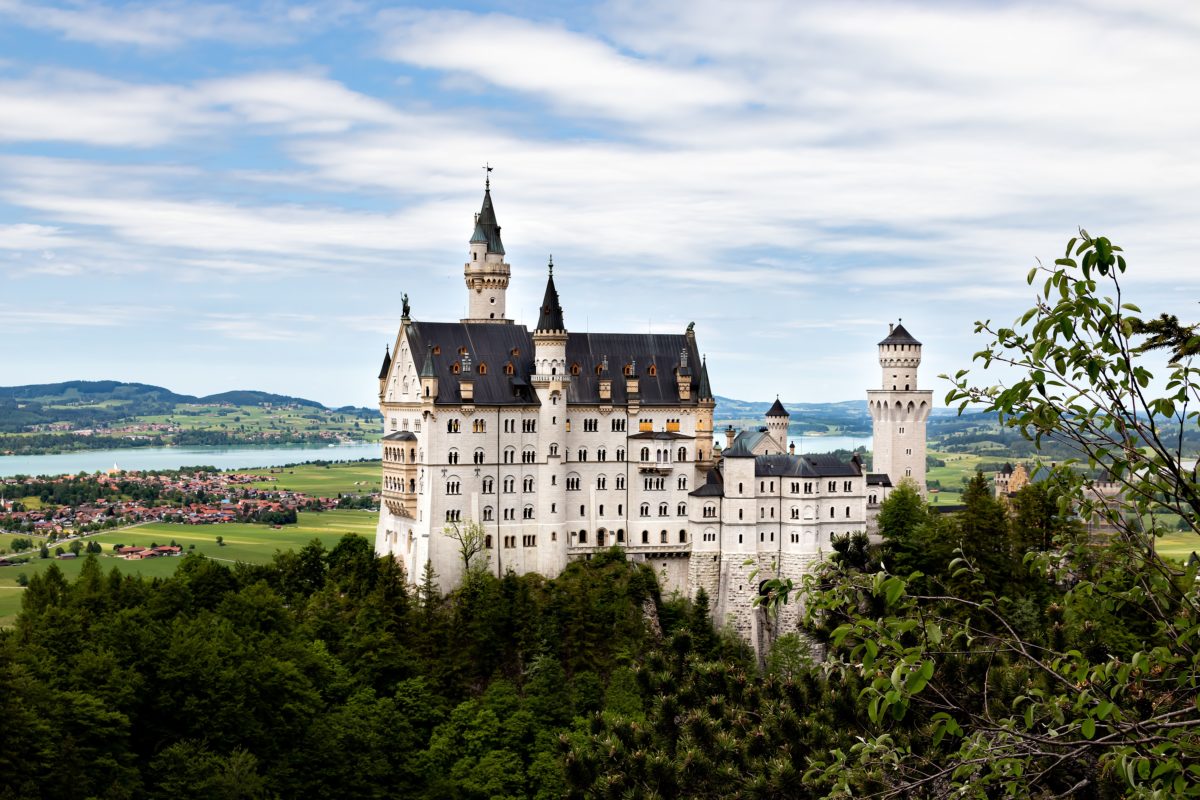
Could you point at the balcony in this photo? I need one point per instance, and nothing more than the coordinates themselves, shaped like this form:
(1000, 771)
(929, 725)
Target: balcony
(549, 378)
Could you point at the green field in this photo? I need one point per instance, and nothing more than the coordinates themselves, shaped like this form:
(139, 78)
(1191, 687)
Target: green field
(360, 477)
(255, 544)
(257, 419)
(1178, 545)
(958, 466)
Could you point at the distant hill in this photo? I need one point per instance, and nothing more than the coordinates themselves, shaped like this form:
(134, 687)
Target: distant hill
(93, 404)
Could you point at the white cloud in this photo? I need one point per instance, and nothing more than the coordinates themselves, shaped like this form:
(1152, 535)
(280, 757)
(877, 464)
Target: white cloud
(149, 24)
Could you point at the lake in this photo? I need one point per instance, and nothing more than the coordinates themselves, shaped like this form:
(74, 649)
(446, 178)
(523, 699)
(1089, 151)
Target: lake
(152, 458)
(809, 445)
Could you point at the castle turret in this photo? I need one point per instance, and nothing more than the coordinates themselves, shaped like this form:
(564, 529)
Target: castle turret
(486, 272)
(551, 378)
(899, 410)
(777, 424)
(385, 370)
(429, 379)
(704, 420)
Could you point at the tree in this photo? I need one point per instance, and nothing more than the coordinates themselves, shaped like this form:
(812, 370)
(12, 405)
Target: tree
(76, 547)
(1076, 676)
(472, 542)
(220, 541)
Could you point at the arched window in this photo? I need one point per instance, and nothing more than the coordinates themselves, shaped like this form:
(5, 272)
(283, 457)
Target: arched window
(645, 509)
(482, 368)
(681, 510)
(509, 369)
(645, 537)
(682, 455)
(575, 369)
(583, 537)
(663, 509)
(553, 449)
(682, 482)
(452, 457)
(487, 513)
(652, 371)
(683, 537)
(620, 481)
(645, 454)
(621, 535)
(662, 537)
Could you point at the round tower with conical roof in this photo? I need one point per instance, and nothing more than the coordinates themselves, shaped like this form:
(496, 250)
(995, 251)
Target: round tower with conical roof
(777, 424)
(899, 410)
(486, 272)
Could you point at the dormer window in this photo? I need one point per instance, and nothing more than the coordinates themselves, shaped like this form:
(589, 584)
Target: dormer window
(653, 371)
(482, 368)
(516, 352)
(628, 370)
(509, 369)
(455, 368)
(437, 350)
(599, 369)
(462, 351)
(575, 369)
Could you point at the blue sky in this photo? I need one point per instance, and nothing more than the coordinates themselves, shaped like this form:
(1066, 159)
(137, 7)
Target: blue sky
(222, 196)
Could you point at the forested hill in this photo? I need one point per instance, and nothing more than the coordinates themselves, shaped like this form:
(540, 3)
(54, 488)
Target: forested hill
(83, 404)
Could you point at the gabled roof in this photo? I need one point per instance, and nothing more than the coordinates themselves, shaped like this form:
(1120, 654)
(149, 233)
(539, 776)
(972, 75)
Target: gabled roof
(400, 436)
(739, 449)
(490, 345)
(900, 336)
(879, 479)
(777, 410)
(487, 230)
(551, 317)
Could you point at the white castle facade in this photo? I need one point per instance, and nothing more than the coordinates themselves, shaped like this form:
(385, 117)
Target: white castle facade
(562, 444)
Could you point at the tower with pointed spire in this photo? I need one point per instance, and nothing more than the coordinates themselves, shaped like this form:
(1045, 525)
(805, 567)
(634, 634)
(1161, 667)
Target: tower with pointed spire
(486, 272)
(777, 424)
(899, 411)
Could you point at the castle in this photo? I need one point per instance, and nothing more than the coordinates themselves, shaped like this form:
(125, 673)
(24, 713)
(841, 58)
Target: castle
(561, 444)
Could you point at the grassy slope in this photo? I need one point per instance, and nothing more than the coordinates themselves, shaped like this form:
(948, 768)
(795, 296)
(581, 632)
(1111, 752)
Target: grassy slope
(251, 543)
(356, 478)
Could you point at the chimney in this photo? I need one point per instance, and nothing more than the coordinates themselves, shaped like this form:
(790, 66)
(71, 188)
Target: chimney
(890, 328)
(791, 448)
(729, 434)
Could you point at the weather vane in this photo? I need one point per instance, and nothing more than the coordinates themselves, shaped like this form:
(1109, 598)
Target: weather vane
(487, 182)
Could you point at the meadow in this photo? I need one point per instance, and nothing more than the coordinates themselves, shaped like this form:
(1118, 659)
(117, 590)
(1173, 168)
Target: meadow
(359, 477)
(251, 543)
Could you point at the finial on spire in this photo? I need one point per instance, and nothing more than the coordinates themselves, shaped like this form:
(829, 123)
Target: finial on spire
(551, 265)
(487, 181)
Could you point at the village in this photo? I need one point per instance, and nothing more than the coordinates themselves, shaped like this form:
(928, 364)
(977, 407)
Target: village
(70, 506)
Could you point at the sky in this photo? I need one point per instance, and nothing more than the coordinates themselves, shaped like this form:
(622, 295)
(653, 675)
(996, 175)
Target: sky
(234, 196)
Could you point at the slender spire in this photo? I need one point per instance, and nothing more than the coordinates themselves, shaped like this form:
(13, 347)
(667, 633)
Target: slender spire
(551, 317)
(427, 369)
(777, 410)
(705, 388)
(387, 362)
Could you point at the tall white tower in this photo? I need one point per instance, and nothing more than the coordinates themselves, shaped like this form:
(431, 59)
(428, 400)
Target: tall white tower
(899, 410)
(486, 272)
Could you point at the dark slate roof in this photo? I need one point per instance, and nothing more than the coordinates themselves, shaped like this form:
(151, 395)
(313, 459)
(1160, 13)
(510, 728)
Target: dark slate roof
(660, 435)
(427, 370)
(878, 479)
(777, 410)
(748, 440)
(486, 228)
(739, 449)
(492, 345)
(400, 436)
(899, 336)
(387, 364)
(489, 345)
(783, 465)
(705, 387)
(643, 349)
(714, 485)
(551, 318)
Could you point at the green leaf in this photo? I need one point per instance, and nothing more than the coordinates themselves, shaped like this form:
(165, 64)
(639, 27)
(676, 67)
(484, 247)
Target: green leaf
(1031, 276)
(1089, 728)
